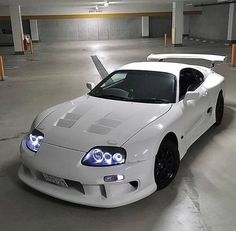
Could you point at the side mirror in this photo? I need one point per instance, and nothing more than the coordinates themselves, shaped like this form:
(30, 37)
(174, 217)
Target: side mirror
(90, 85)
(191, 95)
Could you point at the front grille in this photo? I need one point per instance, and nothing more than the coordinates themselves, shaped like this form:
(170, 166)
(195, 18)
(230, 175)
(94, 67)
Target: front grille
(75, 185)
(134, 184)
(102, 190)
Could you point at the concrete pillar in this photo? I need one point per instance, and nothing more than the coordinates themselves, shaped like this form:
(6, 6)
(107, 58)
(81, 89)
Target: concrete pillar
(145, 26)
(17, 29)
(34, 30)
(231, 36)
(177, 23)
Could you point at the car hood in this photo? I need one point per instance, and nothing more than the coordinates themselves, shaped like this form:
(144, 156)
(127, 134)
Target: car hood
(87, 121)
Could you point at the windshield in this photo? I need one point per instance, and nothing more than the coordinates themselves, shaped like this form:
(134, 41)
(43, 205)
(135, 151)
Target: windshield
(138, 86)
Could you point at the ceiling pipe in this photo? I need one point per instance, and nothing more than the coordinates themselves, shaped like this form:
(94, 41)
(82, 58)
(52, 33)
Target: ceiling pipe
(214, 4)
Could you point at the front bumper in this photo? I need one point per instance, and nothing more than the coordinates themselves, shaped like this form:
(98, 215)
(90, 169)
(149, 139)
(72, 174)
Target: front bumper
(86, 185)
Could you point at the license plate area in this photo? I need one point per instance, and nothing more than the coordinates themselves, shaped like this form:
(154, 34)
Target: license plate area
(55, 180)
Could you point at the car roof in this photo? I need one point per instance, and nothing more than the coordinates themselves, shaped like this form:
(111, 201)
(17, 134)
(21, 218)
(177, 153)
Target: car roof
(169, 67)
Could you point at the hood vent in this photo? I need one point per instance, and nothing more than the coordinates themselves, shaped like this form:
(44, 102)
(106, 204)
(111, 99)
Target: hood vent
(109, 122)
(103, 126)
(68, 121)
(98, 129)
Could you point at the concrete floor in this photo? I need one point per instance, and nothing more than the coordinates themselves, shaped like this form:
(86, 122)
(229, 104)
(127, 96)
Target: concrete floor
(201, 198)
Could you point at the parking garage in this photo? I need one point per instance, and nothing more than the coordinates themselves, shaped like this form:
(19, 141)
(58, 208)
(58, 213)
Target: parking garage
(51, 50)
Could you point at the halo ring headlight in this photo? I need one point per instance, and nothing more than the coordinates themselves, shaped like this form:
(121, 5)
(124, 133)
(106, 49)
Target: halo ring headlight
(34, 140)
(104, 156)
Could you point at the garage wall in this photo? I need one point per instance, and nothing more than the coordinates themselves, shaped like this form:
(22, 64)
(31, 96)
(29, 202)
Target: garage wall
(186, 25)
(89, 29)
(6, 31)
(159, 26)
(212, 24)
(101, 29)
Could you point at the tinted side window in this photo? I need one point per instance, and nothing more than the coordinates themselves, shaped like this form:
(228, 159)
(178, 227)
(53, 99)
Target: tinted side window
(187, 78)
(199, 76)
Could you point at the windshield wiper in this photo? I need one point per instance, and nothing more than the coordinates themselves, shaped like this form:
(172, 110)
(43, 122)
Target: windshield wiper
(151, 100)
(112, 97)
(141, 100)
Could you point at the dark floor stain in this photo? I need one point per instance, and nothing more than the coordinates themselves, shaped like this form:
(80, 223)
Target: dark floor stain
(191, 191)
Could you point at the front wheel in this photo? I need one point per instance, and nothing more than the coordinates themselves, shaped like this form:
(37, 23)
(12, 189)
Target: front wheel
(219, 109)
(166, 164)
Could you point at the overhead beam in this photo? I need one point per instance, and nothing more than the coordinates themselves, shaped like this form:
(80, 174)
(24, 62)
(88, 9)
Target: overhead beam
(214, 3)
(114, 15)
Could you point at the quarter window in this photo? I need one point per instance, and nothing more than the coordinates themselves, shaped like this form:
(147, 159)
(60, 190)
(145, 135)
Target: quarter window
(190, 79)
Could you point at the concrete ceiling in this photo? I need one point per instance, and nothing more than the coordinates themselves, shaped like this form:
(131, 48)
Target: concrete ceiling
(27, 3)
(69, 7)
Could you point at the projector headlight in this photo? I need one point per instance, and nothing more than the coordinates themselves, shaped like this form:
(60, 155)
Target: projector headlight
(34, 140)
(104, 156)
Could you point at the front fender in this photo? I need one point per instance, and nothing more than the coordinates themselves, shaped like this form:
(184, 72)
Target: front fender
(145, 144)
(43, 115)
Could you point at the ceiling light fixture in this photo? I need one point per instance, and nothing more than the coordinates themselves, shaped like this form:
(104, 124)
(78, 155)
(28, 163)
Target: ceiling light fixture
(106, 3)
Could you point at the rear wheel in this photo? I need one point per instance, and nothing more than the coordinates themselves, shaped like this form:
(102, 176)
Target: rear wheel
(166, 164)
(219, 111)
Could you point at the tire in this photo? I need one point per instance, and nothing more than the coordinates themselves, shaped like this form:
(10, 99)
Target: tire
(219, 111)
(166, 164)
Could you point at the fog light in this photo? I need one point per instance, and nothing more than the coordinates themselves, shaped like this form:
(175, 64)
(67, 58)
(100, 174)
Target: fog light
(113, 178)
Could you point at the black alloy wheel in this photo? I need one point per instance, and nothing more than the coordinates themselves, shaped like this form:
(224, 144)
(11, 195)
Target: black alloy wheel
(219, 109)
(166, 164)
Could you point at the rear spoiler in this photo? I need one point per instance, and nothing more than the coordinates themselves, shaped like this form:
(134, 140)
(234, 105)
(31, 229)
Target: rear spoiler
(212, 58)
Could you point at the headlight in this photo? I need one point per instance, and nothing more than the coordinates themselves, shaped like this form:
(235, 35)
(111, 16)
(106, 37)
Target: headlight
(34, 140)
(104, 156)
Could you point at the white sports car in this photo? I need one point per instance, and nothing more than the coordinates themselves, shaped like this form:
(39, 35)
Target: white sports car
(125, 138)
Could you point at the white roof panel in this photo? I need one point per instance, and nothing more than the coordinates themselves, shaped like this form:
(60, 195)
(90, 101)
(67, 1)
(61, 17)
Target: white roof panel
(173, 68)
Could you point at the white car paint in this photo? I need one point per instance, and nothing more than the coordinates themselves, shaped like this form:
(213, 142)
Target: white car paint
(101, 119)
(212, 58)
(71, 129)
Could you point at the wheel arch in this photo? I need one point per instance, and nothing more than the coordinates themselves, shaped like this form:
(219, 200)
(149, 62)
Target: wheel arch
(171, 136)
(221, 92)
(219, 109)
(170, 140)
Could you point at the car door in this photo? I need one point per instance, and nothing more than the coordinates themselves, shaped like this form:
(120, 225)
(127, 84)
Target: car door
(195, 111)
